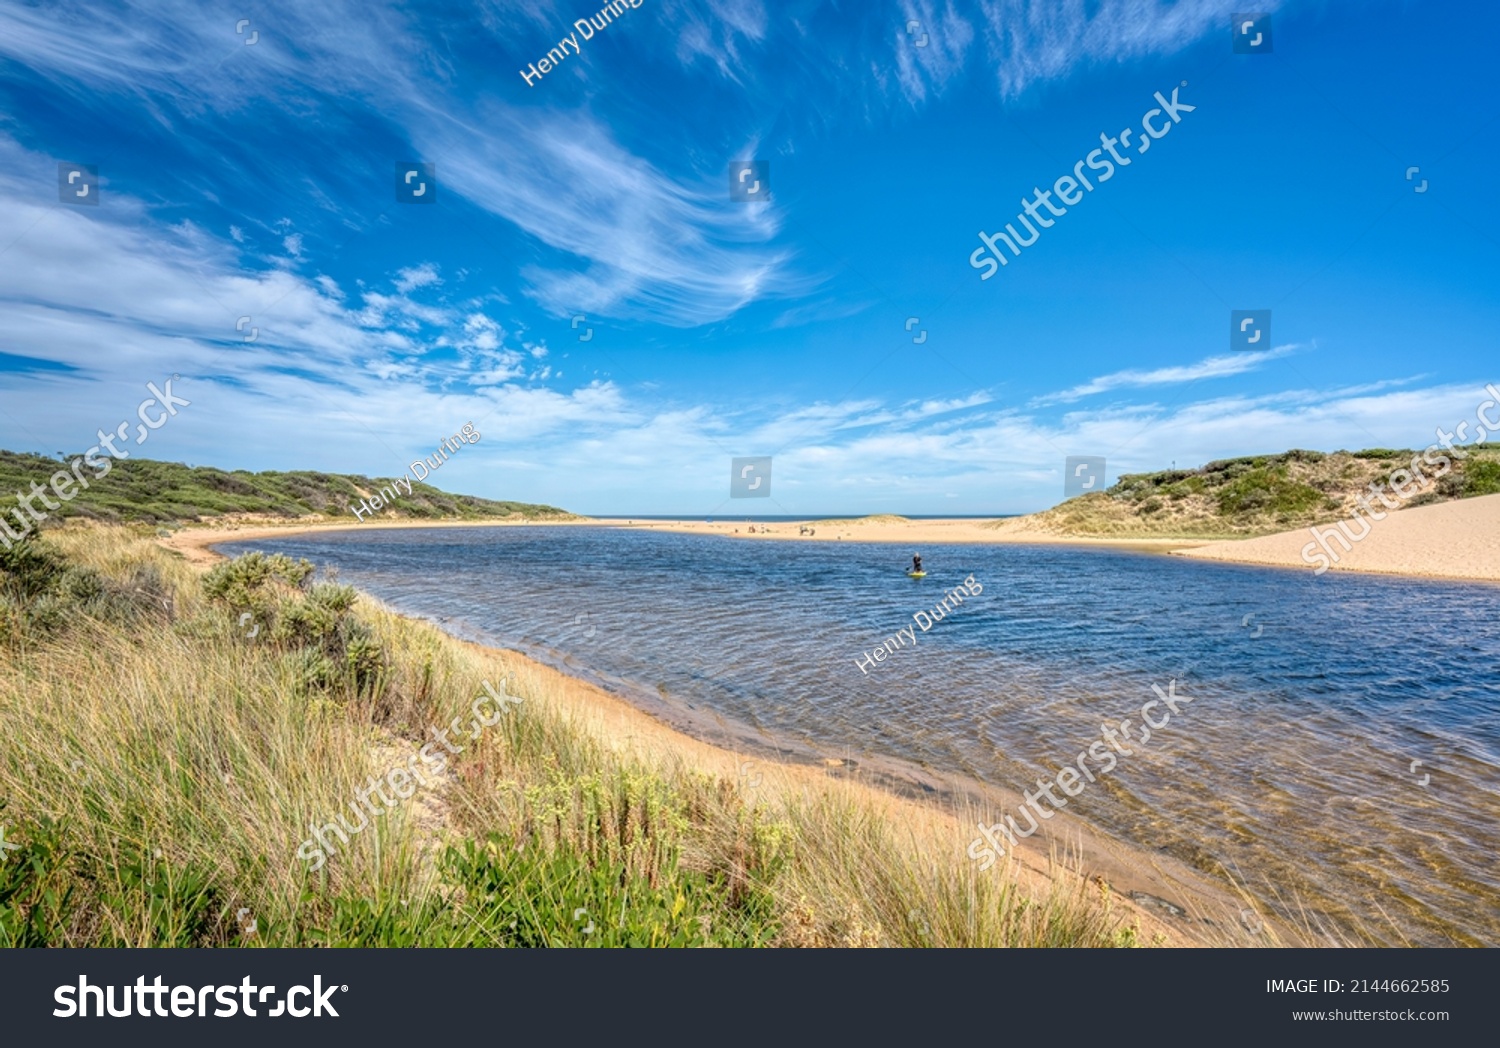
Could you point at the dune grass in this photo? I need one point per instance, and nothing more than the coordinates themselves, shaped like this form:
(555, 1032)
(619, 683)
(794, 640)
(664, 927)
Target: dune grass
(170, 740)
(1258, 494)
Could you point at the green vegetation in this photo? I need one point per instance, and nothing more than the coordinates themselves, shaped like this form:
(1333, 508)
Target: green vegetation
(165, 492)
(1481, 478)
(163, 758)
(1259, 494)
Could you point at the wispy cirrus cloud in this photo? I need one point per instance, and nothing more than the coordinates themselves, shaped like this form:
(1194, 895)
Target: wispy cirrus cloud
(1030, 41)
(1135, 378)
(644, 244)
(934, 50)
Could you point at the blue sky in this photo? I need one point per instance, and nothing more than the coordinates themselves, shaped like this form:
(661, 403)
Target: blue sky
(258, 180)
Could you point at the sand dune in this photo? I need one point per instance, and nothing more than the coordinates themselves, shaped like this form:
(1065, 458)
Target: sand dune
(1454, 540)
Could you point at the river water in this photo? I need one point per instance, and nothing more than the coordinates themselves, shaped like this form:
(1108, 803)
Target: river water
(1338, 753)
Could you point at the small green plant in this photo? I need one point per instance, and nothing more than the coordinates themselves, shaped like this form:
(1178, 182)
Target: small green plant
(532, 898)
(36, 886)
(156, 903)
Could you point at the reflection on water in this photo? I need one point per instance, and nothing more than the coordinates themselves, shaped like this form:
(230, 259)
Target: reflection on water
(1340, 750)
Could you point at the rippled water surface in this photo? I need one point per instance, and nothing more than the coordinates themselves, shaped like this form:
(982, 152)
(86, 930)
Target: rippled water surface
(1339, 755)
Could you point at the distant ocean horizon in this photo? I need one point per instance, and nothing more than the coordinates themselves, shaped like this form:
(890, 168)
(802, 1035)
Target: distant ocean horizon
(785, 518)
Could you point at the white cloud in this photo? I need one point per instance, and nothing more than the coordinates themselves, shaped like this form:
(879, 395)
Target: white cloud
(1134, 378)
(932, 52)
(1028, 41)
(413, 277)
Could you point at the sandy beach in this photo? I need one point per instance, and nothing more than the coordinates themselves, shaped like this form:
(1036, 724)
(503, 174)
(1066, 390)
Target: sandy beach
(1450, 540)
(916, 533)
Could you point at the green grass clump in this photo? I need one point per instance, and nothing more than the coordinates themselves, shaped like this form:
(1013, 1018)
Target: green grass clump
(529, 898)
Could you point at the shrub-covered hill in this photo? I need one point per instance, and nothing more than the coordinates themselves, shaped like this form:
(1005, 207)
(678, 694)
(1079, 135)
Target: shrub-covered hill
(1259, 494)
(161, 492)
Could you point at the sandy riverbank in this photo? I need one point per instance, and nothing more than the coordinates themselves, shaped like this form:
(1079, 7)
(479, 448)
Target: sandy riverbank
(192, 541)
(916, 533)
(1449, 540)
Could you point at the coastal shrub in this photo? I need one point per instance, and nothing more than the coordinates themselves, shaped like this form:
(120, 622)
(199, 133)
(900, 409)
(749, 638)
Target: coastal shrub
(235, 581)
(1481, 478)
(324, 644)
(41, 592)
(29, 568)
(1266, 491)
